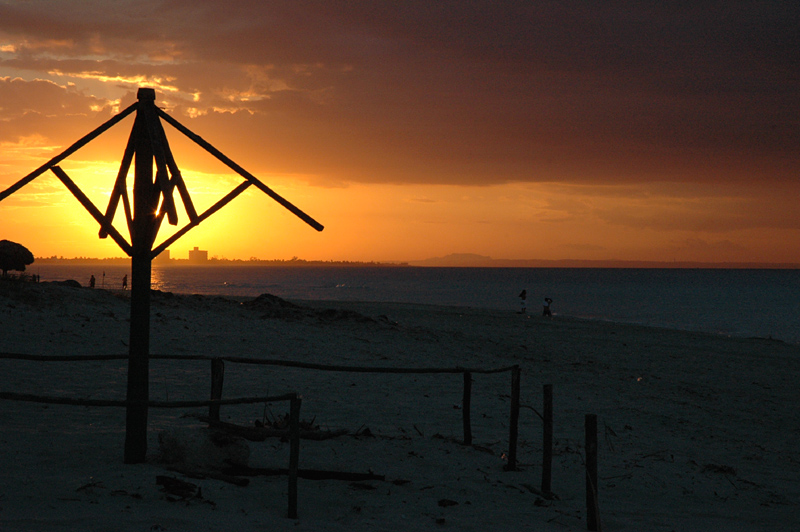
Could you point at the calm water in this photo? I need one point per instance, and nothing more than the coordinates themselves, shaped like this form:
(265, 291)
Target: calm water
(762, 303)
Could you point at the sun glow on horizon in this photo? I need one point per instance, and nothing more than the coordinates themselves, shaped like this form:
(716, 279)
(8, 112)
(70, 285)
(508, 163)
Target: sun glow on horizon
(374, 222)
(414, 134)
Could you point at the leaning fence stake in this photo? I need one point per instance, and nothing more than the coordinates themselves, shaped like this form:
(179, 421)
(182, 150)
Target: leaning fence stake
(294, 453)
(217, 376)
(513, 430)
(466, 405)
(592, 511)
(547, 439)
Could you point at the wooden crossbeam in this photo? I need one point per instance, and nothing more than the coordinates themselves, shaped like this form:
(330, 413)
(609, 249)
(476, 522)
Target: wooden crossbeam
(241, 171)
(69, 151)
(94, 211)
(162, 182)
(162, 209)
(120, 189)
(175, 173)
(211, 210)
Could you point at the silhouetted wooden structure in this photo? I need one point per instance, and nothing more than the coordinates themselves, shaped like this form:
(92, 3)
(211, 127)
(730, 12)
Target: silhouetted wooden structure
(152, 201)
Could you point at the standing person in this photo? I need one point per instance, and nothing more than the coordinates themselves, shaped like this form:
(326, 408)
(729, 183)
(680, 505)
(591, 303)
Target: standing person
(523, 304)
(546, 309)
(91, 281)
(125, 282)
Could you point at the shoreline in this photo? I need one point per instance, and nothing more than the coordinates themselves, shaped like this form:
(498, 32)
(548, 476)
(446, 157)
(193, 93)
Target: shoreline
(335, 302)
(510, 312)
(716, 302)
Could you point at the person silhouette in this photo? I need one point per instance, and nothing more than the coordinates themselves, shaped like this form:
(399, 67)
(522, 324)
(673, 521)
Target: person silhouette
(91, 281)
(125, 282)
(546, 308)
(523, 304)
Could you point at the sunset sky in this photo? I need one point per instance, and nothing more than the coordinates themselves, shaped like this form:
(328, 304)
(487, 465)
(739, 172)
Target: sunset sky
(419, 128)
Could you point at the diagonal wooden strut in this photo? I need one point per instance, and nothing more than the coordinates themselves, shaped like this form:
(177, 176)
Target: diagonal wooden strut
(176, 177)
(241, 171)
(194, 223)
(151, 124)
(120, 189)
(94, 211)
(69, 151)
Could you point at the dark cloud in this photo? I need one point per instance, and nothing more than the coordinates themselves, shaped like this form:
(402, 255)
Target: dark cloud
(466, 91)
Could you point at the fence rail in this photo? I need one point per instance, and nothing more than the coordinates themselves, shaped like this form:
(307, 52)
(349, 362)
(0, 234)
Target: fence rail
(217, 372)
(260, 361)
(49, 399)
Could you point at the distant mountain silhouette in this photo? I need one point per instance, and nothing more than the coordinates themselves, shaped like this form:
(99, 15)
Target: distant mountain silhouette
(473, 260)
(457, 259)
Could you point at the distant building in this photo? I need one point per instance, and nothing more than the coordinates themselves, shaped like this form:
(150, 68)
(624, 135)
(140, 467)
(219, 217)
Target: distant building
(162, 258)
(198, 255)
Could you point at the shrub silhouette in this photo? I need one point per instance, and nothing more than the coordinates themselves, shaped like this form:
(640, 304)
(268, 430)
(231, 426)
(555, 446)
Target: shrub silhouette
(14, 256)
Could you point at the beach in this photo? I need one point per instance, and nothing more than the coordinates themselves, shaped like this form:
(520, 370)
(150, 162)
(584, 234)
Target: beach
(696, 431)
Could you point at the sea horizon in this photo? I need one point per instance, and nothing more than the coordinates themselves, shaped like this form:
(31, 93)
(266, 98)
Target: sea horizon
(456, 260)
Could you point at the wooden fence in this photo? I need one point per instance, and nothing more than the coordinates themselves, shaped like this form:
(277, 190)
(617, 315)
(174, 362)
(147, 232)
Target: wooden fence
(293, 398)
(216, 401)
(218, 368)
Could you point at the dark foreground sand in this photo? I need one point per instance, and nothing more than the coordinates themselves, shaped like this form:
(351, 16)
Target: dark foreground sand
(697, 432)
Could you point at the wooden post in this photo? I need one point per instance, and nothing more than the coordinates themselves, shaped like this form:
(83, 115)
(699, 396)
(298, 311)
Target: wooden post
(513, 430)
(217, 377)
(147, 145)
(145, 203)
(547, 439)
(294, 454)
(592, 511)
(466, 405)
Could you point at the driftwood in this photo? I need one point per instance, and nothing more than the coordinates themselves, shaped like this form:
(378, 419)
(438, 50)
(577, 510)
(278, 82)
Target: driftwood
(262, 433)
(179, 488)
(309, 474)
(216, 475)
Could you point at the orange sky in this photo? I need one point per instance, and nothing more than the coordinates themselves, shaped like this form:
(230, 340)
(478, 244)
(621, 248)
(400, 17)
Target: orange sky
(517, 129)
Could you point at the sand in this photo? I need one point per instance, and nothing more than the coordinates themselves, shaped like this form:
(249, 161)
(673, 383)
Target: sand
(696, 431)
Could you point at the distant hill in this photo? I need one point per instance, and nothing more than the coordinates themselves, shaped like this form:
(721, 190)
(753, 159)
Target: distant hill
(454, 260)
(457, 259)
(472, 260)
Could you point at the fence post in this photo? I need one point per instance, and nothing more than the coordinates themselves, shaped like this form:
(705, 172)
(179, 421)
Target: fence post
(466, 405)
(294, 453)
(547, 439)
(592, 511)
(217, 376)
(513, 430)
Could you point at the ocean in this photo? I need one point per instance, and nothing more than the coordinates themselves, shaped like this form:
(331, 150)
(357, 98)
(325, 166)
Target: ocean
(736, 302)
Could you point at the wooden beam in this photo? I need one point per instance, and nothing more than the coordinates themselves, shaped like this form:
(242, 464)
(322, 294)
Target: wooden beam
(94, 211)
(217, 378)
(144, 198)
(120, 188)
(592, 507)
(145, 202)
(211, 210)
(466, 403)
(294, 453)
(162, 182)
(547, 439)
(160, 207)
(30, 398)
(177, 178)
(69, 151)
(241, 171)
(513, 428)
